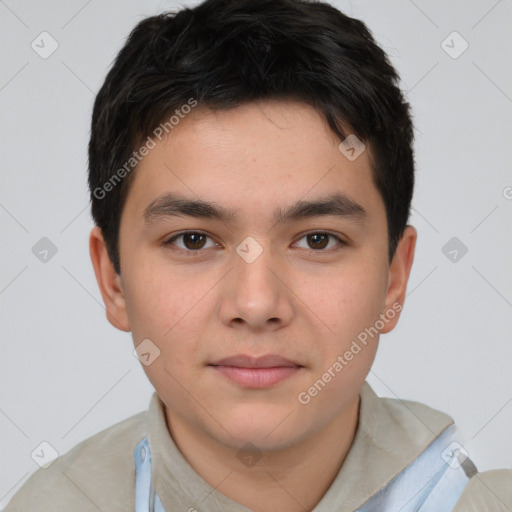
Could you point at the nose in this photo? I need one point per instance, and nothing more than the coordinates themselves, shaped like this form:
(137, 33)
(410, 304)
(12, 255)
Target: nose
(255, 297)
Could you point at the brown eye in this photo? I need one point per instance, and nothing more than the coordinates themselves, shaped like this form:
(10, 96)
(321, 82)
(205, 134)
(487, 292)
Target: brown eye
(318, 240)
(194, 241)
(191, 241)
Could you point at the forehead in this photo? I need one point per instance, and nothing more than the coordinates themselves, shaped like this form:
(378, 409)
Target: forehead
(258, 156)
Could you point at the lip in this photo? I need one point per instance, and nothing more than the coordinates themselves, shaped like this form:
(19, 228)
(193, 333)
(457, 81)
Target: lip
(256, 372)
(246, 361)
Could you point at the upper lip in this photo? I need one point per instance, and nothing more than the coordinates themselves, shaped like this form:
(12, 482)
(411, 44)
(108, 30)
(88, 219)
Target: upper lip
(245, 361)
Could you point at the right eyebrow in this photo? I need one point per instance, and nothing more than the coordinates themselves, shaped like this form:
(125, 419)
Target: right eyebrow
(171, 205)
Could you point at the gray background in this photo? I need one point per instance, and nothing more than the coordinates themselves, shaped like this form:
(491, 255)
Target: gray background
(65, 373)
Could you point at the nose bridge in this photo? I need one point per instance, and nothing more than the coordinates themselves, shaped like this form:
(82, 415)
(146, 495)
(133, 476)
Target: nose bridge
(255, 278)
(255, 294)
(256, 274)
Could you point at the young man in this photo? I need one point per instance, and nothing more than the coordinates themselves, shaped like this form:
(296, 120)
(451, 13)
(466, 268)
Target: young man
(251, 173)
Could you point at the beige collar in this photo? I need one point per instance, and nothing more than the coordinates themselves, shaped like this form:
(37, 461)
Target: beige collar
(391, 433)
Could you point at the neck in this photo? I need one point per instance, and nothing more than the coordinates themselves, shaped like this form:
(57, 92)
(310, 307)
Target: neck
(293, 479)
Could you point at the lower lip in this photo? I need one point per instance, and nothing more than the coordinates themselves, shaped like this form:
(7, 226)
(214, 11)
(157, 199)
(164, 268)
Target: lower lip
(257, 378)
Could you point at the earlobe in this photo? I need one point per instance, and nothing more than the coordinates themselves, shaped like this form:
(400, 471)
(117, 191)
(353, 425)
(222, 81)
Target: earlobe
(399, 271)
(109, 281)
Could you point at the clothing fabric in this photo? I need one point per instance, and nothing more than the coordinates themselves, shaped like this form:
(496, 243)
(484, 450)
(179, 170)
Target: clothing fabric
(392, 435)
(430, 484)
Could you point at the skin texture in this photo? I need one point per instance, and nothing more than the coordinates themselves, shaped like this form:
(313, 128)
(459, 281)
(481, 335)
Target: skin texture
(307, 305)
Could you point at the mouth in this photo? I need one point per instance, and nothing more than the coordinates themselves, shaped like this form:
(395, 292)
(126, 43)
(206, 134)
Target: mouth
(256, 372)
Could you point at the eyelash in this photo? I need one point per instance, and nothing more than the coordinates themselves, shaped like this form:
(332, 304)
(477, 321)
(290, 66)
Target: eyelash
(170, 241)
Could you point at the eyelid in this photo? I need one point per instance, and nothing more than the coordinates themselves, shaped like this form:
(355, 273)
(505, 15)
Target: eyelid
(341, 241)
(170, 239)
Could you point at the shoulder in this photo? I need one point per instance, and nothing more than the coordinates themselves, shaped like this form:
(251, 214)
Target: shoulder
(401, 428)
(392, 422)
(93, 475)
(491, 490)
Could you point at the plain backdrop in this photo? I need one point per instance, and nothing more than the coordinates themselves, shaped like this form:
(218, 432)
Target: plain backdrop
(66, 374)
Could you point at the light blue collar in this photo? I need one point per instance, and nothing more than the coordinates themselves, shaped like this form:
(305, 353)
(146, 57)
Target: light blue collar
(146, 500)
(433, 482)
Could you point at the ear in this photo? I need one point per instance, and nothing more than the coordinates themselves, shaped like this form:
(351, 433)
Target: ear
(109, 281)
(399, 271)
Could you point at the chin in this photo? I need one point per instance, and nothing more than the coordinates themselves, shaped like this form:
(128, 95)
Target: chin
(265, 428)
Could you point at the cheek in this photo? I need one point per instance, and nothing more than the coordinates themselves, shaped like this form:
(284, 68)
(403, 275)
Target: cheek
(155, 301)
(350, 305)
(168, 308)
(346, 300)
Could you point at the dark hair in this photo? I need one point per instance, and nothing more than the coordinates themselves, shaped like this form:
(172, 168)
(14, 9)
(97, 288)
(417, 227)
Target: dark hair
(223, 53)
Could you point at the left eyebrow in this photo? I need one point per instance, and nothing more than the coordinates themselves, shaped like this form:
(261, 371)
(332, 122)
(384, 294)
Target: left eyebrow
(337, 205)
(171, 205)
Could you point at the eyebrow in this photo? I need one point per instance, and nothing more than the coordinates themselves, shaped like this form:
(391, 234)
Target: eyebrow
(172, 205)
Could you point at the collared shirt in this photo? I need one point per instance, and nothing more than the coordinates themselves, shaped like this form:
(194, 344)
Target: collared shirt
(99, 473)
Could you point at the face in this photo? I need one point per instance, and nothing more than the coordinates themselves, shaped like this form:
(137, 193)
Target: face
(253, 254)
